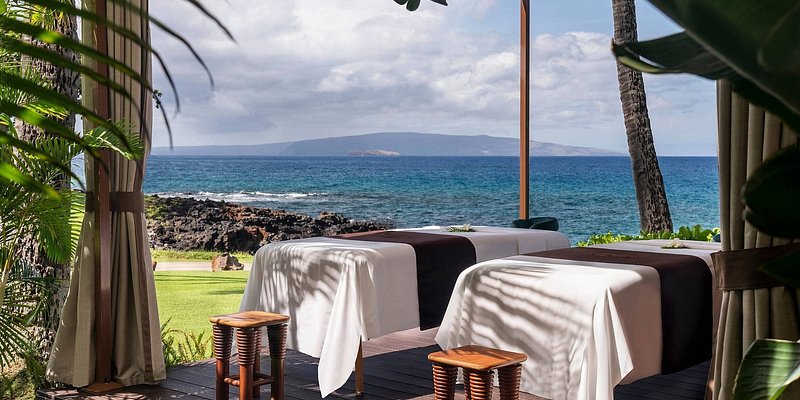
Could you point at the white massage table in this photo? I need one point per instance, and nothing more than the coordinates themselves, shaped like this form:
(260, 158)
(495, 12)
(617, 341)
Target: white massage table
(585, 326)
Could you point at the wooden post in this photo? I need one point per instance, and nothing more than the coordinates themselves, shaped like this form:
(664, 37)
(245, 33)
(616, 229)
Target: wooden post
(524, 111)
(360, 371)
(102, 238)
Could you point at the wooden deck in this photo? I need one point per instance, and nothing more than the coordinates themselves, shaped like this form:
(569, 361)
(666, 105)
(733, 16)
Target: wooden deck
(396, 367)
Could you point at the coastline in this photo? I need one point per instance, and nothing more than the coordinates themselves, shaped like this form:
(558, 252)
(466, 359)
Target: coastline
(187, 224)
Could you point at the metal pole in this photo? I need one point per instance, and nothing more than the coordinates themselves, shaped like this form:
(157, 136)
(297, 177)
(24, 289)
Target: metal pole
(524, 112)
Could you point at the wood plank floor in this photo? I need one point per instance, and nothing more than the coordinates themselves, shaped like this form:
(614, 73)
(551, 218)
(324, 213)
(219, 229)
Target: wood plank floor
(396, 367)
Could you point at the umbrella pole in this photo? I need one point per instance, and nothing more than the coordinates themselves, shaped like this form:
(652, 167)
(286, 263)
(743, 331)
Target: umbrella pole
(102, 238)
(524, 110)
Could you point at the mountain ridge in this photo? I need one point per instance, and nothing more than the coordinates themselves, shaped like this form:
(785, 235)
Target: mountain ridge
(385, 144)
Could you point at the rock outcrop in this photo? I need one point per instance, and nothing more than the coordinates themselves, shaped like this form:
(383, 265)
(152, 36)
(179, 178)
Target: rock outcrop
(226, 262)
(188, 224)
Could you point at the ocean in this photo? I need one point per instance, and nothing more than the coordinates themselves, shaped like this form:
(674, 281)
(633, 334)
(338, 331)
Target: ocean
(587, 194)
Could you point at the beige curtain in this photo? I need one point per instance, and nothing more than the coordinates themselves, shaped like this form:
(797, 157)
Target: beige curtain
(747, 136)
(136, 344)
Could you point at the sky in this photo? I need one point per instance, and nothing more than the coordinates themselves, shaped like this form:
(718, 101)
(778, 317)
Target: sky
(305, 69)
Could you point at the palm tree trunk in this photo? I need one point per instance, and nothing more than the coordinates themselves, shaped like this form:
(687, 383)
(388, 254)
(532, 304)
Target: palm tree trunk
(651, 197)
(67, 83)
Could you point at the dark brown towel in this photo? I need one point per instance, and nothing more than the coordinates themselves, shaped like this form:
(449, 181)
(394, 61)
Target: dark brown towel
(440, 259)
(686, 303)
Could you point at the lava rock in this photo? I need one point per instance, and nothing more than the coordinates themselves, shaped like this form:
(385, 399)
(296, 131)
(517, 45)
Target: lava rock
(176, 223)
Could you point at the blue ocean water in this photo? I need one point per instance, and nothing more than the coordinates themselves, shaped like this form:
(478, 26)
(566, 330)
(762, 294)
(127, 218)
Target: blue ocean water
(587, 194)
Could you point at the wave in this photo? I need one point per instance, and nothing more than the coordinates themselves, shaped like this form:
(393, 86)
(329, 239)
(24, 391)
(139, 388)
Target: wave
(244, 196)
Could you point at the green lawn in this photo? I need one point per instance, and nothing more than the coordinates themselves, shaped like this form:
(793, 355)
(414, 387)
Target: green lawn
(190, 297)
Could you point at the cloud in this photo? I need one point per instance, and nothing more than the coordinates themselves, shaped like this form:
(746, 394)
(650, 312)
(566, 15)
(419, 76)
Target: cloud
(301, 69)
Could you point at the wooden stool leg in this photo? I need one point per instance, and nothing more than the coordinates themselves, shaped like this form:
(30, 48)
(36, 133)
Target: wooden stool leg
(444, 381)
(223, 336)
(466, 385)
(480, 384)
(509, 378)
(276, 336)
(246, 342)
(257, 363)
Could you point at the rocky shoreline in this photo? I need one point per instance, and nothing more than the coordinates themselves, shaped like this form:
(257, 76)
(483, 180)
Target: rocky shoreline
(177, 223)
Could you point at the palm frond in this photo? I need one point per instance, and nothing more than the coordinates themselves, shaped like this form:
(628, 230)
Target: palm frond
(49, 96)
(750, 43)
(53, 229)
(24, 98)
(132, 147)
(26, 298)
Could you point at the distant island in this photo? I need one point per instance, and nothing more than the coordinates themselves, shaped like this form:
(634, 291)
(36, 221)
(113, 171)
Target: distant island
(391, 144)
(383, 153)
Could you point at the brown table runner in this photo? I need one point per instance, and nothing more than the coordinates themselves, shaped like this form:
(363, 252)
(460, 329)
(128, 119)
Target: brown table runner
(440, 259)
(686, 299)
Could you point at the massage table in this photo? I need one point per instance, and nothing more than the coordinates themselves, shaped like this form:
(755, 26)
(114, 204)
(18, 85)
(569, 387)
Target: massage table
(340, 291)
(587, 326)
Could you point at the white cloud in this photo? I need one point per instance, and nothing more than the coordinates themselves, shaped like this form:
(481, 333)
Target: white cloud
(303, 69)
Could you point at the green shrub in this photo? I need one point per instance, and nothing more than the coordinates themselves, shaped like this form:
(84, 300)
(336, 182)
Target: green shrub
(684, 233)
(697, 233)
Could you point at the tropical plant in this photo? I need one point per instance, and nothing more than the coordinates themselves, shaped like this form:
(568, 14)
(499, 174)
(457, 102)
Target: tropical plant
(181, 347)
(651, 197)
(26, 297)
(754, 45)
(52, 216)
(66, 83)
(62, 80)
(52, 220)
(29, 299)
(16, 24)
(696, 232)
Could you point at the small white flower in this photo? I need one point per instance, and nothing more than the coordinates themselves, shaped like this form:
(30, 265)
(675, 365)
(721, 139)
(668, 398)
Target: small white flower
(462, 228)
(674, 244)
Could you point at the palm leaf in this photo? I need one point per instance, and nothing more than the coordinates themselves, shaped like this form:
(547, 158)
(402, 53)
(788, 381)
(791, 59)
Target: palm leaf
(155, 21)
(132, 147)
(14, 175)
(751, 43)
(128, 34)
(53, 229)
(25, 298)
(767, 191)
(413, 5)
(36, 100)
(768, 367)
(53, 97)
(679, 53)
(53, 37)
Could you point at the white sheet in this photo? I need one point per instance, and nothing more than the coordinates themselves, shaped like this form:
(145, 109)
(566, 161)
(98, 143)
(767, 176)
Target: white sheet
(585, 330)
(339, 291)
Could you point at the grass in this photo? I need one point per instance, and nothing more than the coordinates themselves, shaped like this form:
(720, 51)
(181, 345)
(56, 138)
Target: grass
(190, 297)
(15, 384)
(194, 255)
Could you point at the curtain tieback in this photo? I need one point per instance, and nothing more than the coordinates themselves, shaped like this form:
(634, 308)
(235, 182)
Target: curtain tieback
(738, 269)
(120, 202)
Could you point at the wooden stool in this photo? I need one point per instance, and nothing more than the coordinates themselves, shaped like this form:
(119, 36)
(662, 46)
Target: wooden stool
(248, 326)
(479, 364)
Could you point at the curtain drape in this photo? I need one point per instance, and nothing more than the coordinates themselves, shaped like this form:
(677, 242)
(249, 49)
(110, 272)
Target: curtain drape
(135, 331)
(747, 136)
